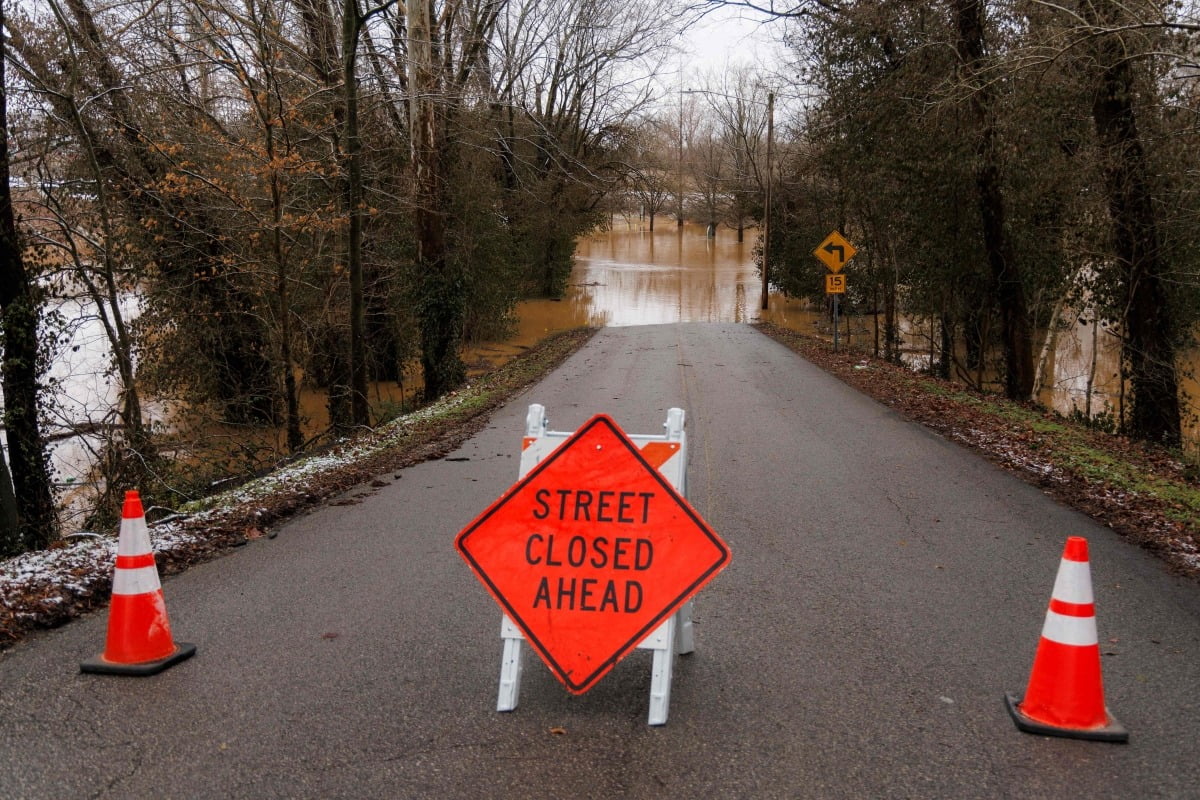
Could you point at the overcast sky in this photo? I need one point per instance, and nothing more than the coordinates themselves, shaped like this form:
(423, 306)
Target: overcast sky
(732, 37)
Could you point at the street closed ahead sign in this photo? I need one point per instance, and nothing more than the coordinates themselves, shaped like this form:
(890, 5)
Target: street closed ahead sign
(590, 552)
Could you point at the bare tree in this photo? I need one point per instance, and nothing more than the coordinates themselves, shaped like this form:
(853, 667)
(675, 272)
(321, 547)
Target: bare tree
(709, 174)
(739, 102)
(87, 236)
(572, 77)
(19, 309)
(445, 50)
(970, 18)
(652, 173)
(1149, 328)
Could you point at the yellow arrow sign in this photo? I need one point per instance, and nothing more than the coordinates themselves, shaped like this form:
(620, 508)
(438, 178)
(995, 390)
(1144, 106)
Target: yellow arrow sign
(835, 251)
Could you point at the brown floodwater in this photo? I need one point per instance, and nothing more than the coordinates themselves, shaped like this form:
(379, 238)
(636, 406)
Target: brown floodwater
(630, 276)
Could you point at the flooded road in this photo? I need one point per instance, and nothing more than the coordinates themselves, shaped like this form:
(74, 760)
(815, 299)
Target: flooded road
(624, 276)
(630, 276)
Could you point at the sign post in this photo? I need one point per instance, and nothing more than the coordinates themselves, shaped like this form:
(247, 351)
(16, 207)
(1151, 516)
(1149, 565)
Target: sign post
(834, 251)
(593, 553)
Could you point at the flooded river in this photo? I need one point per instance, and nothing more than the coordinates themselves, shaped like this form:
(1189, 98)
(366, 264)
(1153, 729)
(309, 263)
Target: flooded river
(629, 276)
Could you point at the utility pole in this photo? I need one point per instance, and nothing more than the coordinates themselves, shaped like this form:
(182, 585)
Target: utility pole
(766, 250)
(679, 194)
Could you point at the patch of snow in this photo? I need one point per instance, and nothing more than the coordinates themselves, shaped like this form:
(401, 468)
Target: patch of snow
(73, 569)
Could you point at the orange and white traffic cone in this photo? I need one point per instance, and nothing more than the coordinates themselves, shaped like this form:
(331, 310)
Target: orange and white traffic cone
(1065, 696)
(139, 636)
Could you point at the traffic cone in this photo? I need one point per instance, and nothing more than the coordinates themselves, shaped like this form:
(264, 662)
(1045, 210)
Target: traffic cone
(139, 636)
(1065, 696)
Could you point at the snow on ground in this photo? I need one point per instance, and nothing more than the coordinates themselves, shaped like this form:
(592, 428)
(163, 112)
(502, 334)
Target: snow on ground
(41, 586)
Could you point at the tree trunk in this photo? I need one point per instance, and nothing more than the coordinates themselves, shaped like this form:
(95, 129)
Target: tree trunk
(10, 520)
(891, 324)
(359, 410)
(291, 393)
(946, 345)
(1148, 344)
(1010, 291)
(36, 526)
(875, 318)
(440, 293)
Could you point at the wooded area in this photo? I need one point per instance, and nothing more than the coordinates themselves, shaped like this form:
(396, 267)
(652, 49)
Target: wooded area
(300, 192)
(997, 161)
(305, 194)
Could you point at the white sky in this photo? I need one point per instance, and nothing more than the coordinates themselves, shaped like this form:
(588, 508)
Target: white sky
(732, 37)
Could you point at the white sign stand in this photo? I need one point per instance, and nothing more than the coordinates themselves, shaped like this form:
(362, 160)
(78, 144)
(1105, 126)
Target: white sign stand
(673, 636)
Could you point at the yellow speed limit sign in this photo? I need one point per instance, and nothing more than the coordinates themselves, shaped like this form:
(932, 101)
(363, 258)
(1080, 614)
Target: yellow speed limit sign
(835, 283)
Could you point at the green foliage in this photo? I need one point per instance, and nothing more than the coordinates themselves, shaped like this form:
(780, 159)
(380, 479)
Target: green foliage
(891, 154)
(1103, 421)
(480, 242)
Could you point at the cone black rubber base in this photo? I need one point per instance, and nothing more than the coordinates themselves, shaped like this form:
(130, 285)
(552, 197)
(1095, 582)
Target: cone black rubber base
(1112, 732)
(99, 665)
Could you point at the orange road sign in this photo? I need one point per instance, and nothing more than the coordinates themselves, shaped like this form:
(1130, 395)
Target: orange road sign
(835, 284)
(835, 251)
(590, 552)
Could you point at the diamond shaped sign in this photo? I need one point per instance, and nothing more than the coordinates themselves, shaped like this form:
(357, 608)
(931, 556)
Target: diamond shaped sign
(590, 552)
(834, 251)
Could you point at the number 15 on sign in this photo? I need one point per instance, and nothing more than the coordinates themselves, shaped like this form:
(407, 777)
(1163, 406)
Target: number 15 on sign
(835, 284)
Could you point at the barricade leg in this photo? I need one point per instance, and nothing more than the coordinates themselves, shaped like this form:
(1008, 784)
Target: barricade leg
(660, 674)
(511, 664)
(685, 637)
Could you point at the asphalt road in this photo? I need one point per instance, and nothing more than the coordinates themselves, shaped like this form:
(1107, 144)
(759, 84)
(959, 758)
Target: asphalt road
(886, 589)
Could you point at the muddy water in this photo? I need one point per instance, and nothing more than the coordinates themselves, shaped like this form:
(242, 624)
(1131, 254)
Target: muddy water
(1080, 374)
(629, 276)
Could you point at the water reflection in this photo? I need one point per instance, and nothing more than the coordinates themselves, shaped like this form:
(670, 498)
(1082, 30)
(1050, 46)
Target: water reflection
(630, 276)
(636, 277)
(1081, 370)
(626, 276)
(85, 390)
